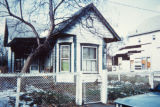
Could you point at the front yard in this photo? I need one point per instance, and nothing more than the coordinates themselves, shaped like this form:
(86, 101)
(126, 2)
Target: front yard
(48, 92)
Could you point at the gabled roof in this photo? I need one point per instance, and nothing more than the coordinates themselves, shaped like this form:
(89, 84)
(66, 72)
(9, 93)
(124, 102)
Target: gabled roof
(16, 29)
(66, 25)
(82, 12)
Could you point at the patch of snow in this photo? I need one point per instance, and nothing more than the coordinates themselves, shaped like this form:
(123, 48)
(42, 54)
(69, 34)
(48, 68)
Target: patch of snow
(30, 89)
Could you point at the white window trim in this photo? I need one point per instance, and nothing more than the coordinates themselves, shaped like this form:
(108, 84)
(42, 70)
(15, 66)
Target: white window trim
(60, 58)
(87, 46)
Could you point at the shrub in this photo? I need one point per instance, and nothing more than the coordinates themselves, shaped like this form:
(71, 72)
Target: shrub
(48, 98)
(125, 89)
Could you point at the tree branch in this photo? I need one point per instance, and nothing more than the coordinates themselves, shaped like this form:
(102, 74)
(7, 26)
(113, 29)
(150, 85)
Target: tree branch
(57, 7)
(52, 15)
(22, 20)
(77, 3)
(20, 5)
(2, 4)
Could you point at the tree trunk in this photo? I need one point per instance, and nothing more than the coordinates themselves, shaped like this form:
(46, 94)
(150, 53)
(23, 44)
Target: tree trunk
(43, 48)
(27, 63)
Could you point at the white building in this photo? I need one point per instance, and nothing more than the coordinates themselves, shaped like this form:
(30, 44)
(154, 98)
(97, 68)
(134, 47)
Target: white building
(148, 56)
(142, 48)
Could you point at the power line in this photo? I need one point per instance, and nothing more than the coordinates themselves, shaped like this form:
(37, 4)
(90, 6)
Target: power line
(118, 3)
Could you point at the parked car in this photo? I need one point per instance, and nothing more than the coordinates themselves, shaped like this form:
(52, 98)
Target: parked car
(151, 99)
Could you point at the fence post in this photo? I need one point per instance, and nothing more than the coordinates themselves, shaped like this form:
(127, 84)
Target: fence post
(119, 77)
(151, 80)
(18, 91)
(79, 89)
(104, 87)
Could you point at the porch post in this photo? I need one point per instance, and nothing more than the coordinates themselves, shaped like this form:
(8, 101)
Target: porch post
(104, 87)
(12, 62)
(79, 89)
(9, 60)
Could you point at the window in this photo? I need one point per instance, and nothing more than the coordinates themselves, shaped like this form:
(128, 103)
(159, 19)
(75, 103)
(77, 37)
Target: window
(89, 58)
(64, 57)
(139, 40)
(143, 64)
(34, 65)
(153, 38)
(148, 62)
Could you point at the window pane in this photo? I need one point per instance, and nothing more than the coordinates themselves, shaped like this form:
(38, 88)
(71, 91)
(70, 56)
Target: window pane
(65, 65)
(94, 66)
(34, 67)
(92, 53)
(65, 51)
(89, 66)
(84, 66)
(85, 53)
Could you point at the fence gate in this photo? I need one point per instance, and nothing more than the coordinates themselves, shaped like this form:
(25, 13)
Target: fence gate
(91, 92)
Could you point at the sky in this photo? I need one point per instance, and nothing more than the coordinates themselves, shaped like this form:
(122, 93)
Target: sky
(126, 15)
(123, 15)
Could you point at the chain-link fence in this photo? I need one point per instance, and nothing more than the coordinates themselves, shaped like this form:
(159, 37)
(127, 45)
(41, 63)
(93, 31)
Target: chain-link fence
(33, 90)
(124, 84)
(48, 89)
(7, 90)
(91, 92)
(43, 90)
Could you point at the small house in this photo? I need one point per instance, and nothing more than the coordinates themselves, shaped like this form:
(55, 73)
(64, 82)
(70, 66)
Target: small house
(80, 46)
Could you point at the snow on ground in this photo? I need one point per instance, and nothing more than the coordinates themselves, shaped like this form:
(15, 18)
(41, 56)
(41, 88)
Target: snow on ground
(4, 102)
(5, 97)
(8, 94)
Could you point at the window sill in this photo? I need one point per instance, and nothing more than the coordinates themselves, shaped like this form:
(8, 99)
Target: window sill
(90, 72)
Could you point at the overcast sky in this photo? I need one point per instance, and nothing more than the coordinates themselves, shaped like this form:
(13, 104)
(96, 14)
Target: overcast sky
(124, 15)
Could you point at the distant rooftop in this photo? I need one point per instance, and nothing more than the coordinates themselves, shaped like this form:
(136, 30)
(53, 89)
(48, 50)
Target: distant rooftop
(150, 25)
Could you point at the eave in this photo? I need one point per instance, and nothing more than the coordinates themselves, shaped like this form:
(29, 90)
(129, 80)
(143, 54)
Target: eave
(108, 40)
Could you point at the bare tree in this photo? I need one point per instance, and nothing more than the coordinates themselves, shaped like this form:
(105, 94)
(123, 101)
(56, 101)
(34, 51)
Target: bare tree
(54, 12)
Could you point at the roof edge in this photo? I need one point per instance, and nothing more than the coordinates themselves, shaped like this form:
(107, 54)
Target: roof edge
(140, 34)
(106, 24)
(102, 20)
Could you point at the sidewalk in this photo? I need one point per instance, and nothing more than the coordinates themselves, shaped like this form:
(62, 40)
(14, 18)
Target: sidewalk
(98, 105)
